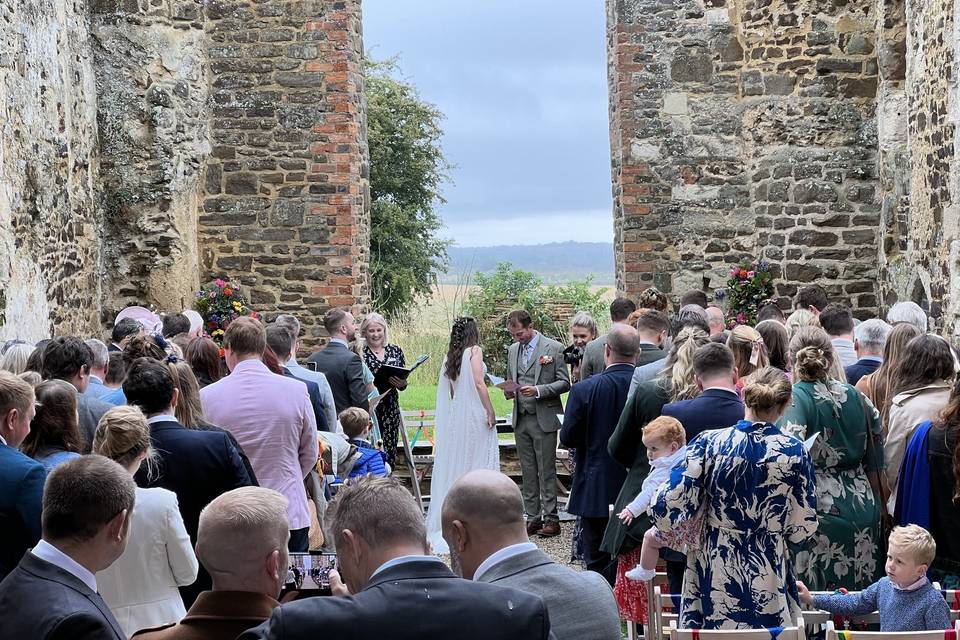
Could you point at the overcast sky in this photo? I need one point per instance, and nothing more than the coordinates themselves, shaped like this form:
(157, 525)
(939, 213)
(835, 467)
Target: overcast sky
(523, 85)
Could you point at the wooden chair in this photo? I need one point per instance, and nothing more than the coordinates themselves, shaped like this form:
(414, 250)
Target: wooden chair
(666, 608)
(834, 634)
(952, 596)
(779, 633)
(424, 422)
(819, 617)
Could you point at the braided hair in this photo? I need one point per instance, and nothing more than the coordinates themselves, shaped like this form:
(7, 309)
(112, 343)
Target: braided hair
(463, 336)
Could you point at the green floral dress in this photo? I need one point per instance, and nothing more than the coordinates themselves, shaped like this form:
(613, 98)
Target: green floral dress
(846, 550)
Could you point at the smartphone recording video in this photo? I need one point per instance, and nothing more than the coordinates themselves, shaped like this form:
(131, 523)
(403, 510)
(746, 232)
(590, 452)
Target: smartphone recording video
(310, 572)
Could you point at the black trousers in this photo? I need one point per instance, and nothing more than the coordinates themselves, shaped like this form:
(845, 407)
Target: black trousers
(591, 535)
(299, 540)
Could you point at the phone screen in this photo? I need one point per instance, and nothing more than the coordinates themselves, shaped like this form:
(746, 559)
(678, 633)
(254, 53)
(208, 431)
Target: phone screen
(310, 572)
(311, 365)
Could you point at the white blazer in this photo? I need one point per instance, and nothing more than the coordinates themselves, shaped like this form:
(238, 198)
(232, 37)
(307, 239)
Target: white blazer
(141, 586)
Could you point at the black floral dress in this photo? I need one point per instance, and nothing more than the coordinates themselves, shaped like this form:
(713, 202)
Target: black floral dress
(388, 411)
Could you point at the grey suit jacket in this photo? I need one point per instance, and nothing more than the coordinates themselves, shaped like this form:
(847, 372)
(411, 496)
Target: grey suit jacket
(580, 604)
(90, 409)
(593, 362)
(553, 380)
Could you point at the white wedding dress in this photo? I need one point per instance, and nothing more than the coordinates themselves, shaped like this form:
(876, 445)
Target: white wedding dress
(462, 442)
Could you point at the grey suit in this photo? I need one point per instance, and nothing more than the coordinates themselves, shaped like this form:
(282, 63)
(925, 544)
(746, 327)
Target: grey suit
(343, 370)
(535, 423)
(593, 361)
(580, 604)
(89, 410)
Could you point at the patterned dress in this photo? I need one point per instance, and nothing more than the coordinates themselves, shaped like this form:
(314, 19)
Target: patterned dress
(388, 411)
(754, 488)
(846, 549)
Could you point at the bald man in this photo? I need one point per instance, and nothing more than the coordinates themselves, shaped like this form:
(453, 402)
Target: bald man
(483, 525)
(593, 410)
(242, 542)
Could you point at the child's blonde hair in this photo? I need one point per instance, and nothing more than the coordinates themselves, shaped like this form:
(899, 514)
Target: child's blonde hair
(354, 421)
(917, 541)
(667, 429)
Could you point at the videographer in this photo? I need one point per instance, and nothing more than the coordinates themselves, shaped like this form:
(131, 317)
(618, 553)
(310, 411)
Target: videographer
(583, 329)
(593, 363)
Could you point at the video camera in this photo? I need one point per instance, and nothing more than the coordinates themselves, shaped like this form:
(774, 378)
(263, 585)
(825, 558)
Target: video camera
(573, 354)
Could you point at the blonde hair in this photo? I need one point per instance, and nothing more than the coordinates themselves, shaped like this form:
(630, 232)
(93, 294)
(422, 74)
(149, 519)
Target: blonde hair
(767, 389)
(354, 421)
(812, 354)
(679, 366)
(915, 540)
(15, 358)
(800, 318)
(666, 429)
(749, 351)
(374, 318)
(122, 435)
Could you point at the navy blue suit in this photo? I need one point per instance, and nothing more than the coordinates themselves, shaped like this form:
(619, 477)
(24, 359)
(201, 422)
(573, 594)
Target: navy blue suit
(593, 409)
(860, 368)
(21, 498)
(313, 389)
(712, 409)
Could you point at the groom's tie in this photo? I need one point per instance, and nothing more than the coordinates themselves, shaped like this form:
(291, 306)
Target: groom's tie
(526, 354)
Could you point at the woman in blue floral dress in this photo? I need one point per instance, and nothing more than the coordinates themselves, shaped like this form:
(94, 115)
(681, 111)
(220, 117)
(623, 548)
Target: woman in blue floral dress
(749, 488)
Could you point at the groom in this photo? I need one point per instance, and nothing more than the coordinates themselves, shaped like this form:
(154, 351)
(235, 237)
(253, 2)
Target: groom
(535, 363)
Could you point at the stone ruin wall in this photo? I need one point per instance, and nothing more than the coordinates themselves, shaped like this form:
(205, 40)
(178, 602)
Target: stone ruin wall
(147, 146)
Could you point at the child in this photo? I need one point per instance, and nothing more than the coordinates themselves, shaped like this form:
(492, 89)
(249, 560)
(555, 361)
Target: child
(905, 598)
(665, 441)
(356, 424)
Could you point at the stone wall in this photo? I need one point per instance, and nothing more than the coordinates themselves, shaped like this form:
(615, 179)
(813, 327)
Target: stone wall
(49, 247)
(286, 209)
(740, 129)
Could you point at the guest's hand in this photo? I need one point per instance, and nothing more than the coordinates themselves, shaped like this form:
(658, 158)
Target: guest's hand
(625, 516)
(804, 594)
(337, 587)
(397, 382)
(528, 391)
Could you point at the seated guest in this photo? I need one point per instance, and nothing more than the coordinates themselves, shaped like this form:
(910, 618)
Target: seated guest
(280, 340)
(326, 395)
(382, 549)
(718, 405)
(870, 337)
(593, 363)
(196, 465)
(837, 320)
(271, 418)
(21, 478)
(652, 327)
(811, 298)
(484, 527)
(52, 593)
(908, 312)
(904, 597)
(777, 342)
(122, 332)
(242, 542)
(203, 354)
(141, 586)
(70, 359)
(356, 427)
(99, 368)
(116, 372)
(771, 311)
(54, 434)
(174, 324)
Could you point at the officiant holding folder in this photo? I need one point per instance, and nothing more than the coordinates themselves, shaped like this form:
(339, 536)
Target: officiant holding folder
(377, 353)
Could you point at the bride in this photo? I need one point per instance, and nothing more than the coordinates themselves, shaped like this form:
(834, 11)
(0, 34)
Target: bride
(466, 433)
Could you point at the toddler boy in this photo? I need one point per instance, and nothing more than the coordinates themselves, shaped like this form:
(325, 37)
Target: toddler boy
(356, 425)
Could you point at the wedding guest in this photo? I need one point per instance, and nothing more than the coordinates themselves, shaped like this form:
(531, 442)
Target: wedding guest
(98, 368)
(377, 352)
(342, 367)
(749, 351)
(909, 312)
(382, 551)
(31, 377)
(715, 320)
(196, 465)
(35, 359)
(688, 316)
(593, 362)
(593, 408)
(174, 324)
(196, 323)
(717, 406)
(923, 380)
(694, 297)
(771, 311)
(753, 487)
(14, 357)
(356, 427)
(242, 542)
(941, 441)
(877, 385)
(484, 528)
(811, 298)
(837, 320)
(848, 456)
(141, 586)
(54, 434)
(123, 331)
(272, 419)
(653, 298)
(69, 359)
(870, 337)
(801, 318)
(776, 341)
(652, 328)
(116, 372)
(203, 354)
(52, 593)
(138, 346)
(280, 344)
(583, 329)
(21, 477)
(326, 395)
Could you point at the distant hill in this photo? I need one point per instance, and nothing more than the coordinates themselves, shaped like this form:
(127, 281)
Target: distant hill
(556, 262)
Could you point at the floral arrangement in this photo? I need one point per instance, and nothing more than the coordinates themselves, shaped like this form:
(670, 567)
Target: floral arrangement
(219, 303)
(749, 286)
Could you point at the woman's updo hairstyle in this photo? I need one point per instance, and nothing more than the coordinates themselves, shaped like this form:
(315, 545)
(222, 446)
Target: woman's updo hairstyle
(679, 366)
(767, 389)
(143, 347)
(122, 435)
(463, 335)
(811, 353)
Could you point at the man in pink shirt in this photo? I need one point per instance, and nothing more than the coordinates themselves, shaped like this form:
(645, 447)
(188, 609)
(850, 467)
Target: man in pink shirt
(270, 416)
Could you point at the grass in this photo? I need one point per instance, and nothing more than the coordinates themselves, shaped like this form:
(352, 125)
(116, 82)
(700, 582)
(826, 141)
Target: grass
(417, 397)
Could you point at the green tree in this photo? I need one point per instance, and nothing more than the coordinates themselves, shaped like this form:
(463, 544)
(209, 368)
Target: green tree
(407, 170)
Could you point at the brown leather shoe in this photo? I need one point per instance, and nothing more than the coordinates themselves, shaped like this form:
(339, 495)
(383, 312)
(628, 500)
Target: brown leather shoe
(550, 529)
(534, 527)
